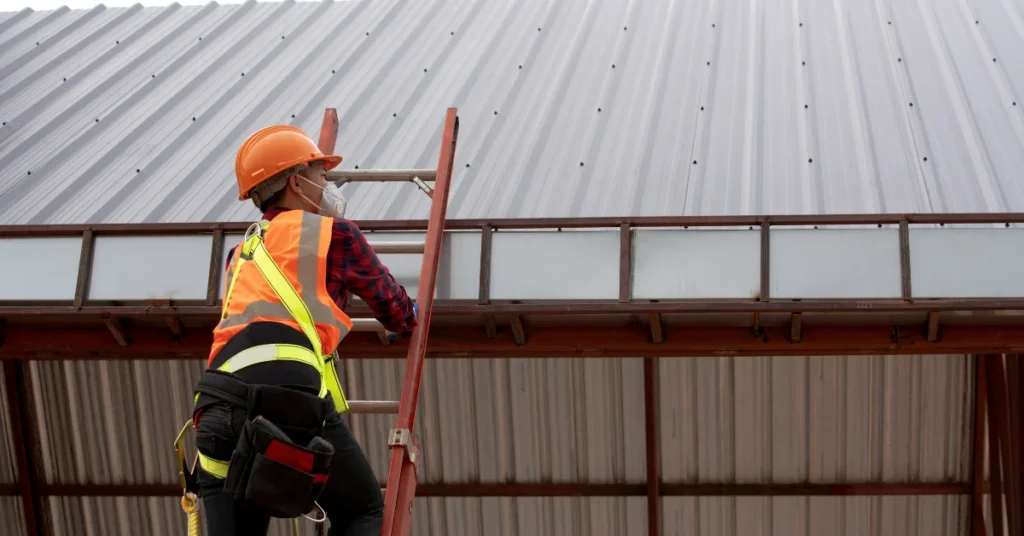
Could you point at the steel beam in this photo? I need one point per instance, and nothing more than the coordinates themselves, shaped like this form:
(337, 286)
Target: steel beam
(523, 489)
(652, 444)
(45, 343)
(25, 446)
(978, 450)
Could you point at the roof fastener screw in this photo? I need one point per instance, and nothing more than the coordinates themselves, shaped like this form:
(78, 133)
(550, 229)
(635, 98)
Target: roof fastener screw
(495, 112)
(424, 69)
(993, 60)
(810, 160)
(332, 71)
(613, 66)
(806, 106)
(293, 116)
(598, 109)
(801, 25)
(911, 104)
(695, 162)
(624, 28)
(65, 79)
(702, 108)
(29, 172)
(193, 118)
(581, 164)
(138, 171)
(467, 165)
(453, 33)
(520, 66)
(926, 159)
(803, 63)
(394, 115)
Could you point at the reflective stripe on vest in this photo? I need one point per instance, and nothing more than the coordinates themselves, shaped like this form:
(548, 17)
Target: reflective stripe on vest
(307, 262)
(290, 308)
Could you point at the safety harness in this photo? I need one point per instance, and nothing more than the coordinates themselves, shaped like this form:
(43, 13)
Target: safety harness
(267, 468)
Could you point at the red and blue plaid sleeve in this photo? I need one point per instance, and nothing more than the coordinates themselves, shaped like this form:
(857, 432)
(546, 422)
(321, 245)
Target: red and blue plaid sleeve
(353, 266)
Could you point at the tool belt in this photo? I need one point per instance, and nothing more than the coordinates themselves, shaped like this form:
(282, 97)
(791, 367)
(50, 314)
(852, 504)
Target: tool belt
(281, 461)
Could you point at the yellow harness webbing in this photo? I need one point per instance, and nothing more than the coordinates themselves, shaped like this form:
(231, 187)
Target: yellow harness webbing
(254, 250)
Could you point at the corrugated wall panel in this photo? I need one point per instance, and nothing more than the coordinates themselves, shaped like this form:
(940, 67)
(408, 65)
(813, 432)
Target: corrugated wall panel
(524, 420)
(817, 419)
(568, 108)
(8, 464)
(815, 516)
(97, 414)
(479, 420)
(12, 517)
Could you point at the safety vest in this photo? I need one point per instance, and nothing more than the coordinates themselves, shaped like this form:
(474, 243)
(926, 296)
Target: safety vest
(279, 274)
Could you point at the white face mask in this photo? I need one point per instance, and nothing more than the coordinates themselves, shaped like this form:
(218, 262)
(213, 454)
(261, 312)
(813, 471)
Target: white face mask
(332, 203)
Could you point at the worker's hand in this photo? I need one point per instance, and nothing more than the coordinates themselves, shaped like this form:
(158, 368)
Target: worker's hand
(392, 336)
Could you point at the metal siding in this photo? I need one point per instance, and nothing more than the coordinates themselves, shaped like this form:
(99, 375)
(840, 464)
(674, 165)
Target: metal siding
(816, 419)
(12, 517)
(8, 465)
(814, 516)
(775, 95)
(568, 421)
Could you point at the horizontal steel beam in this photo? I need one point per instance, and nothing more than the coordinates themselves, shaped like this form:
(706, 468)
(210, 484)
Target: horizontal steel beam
(538, 223)
(463, 308)
(513, 489)
(23, 342)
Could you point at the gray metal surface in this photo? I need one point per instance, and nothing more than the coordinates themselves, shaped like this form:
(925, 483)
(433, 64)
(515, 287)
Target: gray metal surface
(750, 420)
(578, 265)
(568, 108)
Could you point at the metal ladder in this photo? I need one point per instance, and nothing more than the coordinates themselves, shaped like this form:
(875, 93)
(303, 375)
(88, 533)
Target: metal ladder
(400, 489)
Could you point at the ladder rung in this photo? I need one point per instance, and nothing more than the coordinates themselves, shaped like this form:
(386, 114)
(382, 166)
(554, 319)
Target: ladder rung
(379, 407)
(398, 247)
(366, 324)
(382, 175)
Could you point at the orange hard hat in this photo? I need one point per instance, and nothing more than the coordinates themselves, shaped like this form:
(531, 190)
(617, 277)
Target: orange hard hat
(272, 150)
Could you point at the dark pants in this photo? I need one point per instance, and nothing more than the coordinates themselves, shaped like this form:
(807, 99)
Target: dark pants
(352, 498)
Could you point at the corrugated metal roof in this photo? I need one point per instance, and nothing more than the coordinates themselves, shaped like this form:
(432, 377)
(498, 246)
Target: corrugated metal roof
(748, 420)
(568, 108)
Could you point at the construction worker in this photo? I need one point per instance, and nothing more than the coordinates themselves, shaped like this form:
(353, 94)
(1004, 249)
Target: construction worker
(270, 436)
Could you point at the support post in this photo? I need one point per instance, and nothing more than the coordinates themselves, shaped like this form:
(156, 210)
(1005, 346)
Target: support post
(978, 450)
(401, 484)
(23, 430)
(652, 445)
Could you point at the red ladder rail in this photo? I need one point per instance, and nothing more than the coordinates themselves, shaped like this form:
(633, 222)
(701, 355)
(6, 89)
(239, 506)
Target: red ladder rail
(402, 474)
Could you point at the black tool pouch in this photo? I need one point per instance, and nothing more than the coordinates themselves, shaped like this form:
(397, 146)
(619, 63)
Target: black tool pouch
(269, 467)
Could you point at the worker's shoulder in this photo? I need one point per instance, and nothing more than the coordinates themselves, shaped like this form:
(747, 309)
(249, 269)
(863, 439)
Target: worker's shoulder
(346, 228)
